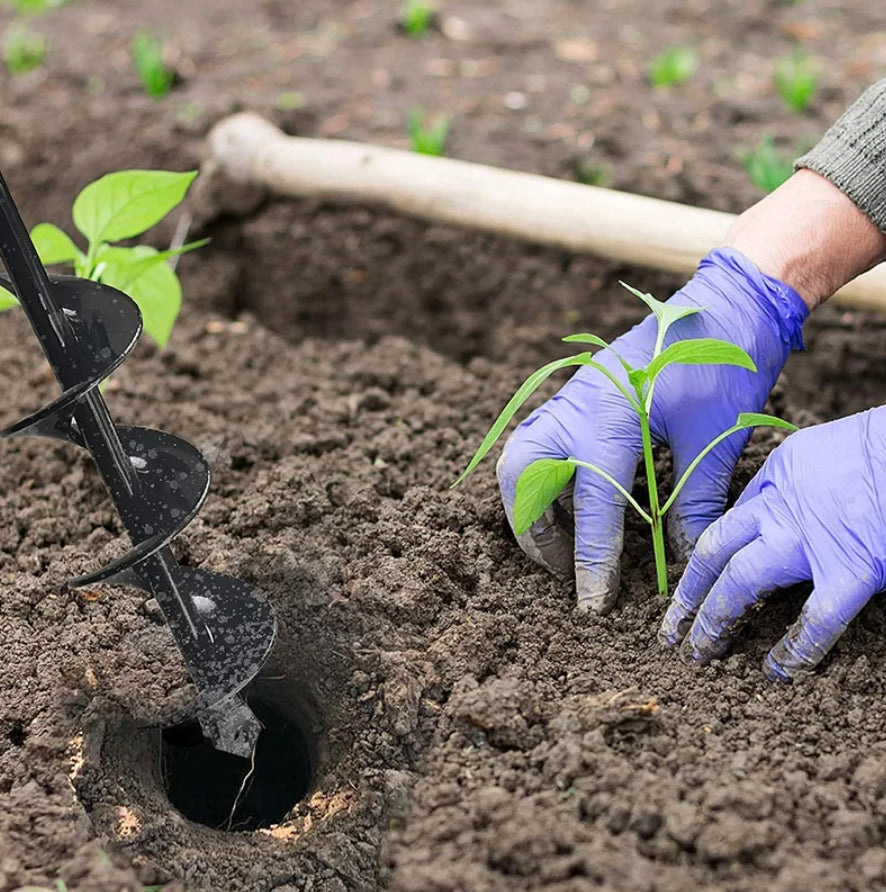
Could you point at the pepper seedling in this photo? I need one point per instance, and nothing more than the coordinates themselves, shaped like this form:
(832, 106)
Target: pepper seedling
(24, 50)
(767, 166)
(674, 66)
(119, 206)
(148, 60)
(541, 482)
(427, 138)
(796, 80)
(416, 17)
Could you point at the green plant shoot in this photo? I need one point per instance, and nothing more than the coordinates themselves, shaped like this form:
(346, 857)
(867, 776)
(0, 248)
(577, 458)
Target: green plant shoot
(115, 207)
(542, 481)
(147, 58)
(24, 50)
(674, 66)
(592, 173)
(427, 139)
(796, 80)
(34, 7)
(416, 17)
(767, 167)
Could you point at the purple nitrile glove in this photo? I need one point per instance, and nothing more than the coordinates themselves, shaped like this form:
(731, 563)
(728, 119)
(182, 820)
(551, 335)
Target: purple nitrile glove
(590, 420)
(816, 511)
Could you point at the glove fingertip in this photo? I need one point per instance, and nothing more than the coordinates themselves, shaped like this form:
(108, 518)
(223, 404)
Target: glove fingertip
(679, 616)
(674, 627)
(689, 654)
(775, 671)
(597, 590)
(548, 545)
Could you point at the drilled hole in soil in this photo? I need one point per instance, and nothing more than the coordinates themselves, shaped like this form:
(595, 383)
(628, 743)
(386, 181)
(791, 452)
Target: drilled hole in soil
(205, 784)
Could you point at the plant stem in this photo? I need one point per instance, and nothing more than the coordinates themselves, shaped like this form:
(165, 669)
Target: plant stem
(610, 479)
(658, 545)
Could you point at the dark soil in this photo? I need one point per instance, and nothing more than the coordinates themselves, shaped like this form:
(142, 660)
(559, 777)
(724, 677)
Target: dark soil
(467, 730)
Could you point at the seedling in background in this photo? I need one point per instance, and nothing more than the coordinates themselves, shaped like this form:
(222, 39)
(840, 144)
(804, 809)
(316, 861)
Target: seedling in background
(34, 7)
(767, 167)
(592, 173)
(796, 80)
(23, 50)
(120, 206)
(674, 66)
(416, 18)
(289, 101)
(147, 58)
(430, 138)
(542, 481)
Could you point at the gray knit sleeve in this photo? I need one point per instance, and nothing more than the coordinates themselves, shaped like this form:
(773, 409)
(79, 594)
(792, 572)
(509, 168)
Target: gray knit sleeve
(852, 154)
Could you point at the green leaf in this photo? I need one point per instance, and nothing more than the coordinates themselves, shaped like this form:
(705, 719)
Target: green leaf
(674, 66)
(700, 351)
(155, 287)
(53, 245)
(666, 313)
(526, 389)
(638, 379)
(124, 204)
(7, 299)
(760, 419)
(427, 139)
(767, 166)
(585, 338)
(744, 421)
(537, 487)
(134, 262)
(147, 54)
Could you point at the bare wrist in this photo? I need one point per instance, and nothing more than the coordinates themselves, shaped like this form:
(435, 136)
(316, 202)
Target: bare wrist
(809, 235)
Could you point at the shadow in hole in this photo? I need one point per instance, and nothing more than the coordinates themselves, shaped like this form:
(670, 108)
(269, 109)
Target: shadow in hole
(229, 793)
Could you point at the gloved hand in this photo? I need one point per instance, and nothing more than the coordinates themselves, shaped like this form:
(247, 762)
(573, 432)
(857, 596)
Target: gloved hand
(815, 510)
(590, 420)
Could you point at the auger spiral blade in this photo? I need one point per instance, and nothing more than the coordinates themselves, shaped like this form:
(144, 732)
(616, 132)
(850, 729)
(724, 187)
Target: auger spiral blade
(223, 627)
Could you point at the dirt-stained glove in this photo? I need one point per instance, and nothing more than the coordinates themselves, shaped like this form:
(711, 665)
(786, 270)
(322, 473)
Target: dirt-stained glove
(816, 511)
(590, 420)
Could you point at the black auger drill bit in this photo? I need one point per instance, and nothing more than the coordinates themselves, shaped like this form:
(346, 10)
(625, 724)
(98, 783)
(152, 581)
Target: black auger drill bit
(223, 627)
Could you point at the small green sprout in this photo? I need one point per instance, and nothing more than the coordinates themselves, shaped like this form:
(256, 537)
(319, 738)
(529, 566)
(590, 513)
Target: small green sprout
(674, 66)
(34, 7)
(796, 80)
(24, 50)
(430, 138)
(592, 173)
(416, 17)
(289, 101)
(768, 167)
(542, 481)
(155, 75)
(115, 207)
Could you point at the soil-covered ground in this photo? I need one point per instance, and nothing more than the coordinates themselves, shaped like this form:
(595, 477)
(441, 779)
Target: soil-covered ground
(467, 729)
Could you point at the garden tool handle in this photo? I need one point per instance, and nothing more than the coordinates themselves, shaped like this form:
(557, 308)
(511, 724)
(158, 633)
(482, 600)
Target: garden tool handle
(620, 226)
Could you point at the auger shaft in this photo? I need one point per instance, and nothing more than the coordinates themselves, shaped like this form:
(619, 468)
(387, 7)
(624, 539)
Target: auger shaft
(222, 713)
(92, 417)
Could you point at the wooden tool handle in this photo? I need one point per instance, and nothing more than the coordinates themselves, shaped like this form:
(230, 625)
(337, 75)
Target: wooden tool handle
(634, 229)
